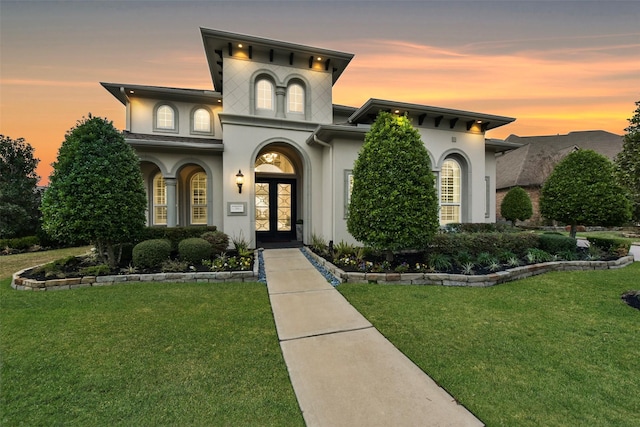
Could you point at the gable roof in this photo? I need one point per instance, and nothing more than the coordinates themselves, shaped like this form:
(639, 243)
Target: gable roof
(218, 44)
(531, 164)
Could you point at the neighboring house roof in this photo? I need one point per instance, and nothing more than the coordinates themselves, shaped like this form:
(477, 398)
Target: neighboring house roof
(531, 164)
(123, 91)
(217, 42)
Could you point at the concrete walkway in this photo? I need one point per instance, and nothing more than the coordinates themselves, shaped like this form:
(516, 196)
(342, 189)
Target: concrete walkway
(343, 371)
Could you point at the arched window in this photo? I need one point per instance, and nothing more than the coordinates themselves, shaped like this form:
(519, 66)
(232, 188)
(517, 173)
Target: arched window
(159, 200)
(264, 94)
(295, 98)
(165, 118)
(202, 121)
(198, 187)
(450, 192)
(273, 162)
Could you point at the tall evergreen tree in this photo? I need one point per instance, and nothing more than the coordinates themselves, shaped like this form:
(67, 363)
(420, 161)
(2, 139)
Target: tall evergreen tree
(394, 204)
(19, 199)
(628, 162)
(96, 191)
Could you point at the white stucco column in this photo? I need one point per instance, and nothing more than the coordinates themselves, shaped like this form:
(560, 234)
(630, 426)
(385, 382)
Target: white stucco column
(172, 208)
(280, 93)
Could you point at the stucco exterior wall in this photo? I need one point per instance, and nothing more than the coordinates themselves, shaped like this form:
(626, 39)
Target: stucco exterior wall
(141, 118)
(239, 77)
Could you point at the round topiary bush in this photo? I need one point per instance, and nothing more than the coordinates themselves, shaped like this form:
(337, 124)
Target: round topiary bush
(516, 205)
(151, 253)
(194, 250)
(218, 240)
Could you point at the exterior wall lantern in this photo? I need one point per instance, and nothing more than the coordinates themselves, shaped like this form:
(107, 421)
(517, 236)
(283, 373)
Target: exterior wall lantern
(239, 181)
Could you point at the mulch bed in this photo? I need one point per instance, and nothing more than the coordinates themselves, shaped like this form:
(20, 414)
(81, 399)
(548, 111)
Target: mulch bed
(632, 298)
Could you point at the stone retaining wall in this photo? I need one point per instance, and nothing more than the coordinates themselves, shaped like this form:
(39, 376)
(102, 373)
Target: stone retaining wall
(21, 283)
(444, 279)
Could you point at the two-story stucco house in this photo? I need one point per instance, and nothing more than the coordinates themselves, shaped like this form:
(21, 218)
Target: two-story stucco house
(268, 147)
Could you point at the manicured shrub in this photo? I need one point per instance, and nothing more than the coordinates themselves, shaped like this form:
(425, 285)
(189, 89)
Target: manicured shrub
(609, 245)
(175, 234)
(151, 253)
(556, 243)
(218, 240)
(194, 250)
(516, 205)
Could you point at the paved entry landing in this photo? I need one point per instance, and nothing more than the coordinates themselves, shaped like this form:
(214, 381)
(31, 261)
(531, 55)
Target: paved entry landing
(343, 371)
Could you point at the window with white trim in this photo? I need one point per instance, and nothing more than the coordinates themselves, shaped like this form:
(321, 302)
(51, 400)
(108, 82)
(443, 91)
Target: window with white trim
(264, 95)
(198, 186)
(450, 200)
(202, 121)
(295, 98)
(165, 118)
(159, 200)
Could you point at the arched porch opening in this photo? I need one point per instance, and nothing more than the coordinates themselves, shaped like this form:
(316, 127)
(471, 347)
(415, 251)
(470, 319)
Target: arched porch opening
(278, 192)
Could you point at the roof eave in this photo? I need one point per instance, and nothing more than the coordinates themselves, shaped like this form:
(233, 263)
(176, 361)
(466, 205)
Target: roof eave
(374, 105)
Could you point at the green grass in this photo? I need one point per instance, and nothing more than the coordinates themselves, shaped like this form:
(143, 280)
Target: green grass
(558, 349)
(604, 234)
(143, 354)
(10, 264)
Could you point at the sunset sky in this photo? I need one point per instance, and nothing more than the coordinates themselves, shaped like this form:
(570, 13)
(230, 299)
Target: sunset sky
(556, 66)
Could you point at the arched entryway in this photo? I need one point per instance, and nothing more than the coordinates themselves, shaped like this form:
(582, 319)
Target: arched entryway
(277, 194)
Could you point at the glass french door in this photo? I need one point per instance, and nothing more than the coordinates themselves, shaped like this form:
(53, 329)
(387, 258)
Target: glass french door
(275, 213)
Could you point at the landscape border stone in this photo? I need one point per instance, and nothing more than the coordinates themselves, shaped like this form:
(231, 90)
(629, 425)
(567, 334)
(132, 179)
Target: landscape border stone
(485, 280)
(24, 284)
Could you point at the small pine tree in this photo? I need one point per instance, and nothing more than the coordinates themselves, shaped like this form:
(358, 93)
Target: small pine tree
(516, 205)
(394, 205)
(582, 190)
(628, 162)
(96, 191)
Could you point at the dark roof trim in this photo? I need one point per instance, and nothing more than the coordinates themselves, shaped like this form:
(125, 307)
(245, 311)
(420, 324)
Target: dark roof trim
(373, 106)
(122, 92)
(217, 43)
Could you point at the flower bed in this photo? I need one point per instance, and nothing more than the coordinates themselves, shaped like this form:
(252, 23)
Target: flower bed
(446, 279)
(22, 283)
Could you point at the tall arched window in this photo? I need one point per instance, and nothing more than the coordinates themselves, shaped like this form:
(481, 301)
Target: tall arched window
(295, 98)
(165, 118)
(450, 192)
(264, 94)
(198, 186)
(159, 200)
(202, 120)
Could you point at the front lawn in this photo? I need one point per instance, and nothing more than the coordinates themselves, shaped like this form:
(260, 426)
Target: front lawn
(10, 264)
(555, 350)
(143, 354)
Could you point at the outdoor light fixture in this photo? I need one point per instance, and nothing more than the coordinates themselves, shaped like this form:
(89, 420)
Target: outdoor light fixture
(239, 181)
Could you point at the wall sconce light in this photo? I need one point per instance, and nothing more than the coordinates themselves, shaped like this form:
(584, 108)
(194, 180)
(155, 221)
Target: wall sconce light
(239, 181)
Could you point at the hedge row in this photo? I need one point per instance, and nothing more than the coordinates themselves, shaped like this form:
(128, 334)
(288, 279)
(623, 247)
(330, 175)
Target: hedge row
(19, 243)
(174, 234)
(477, 243)
(479, 227)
